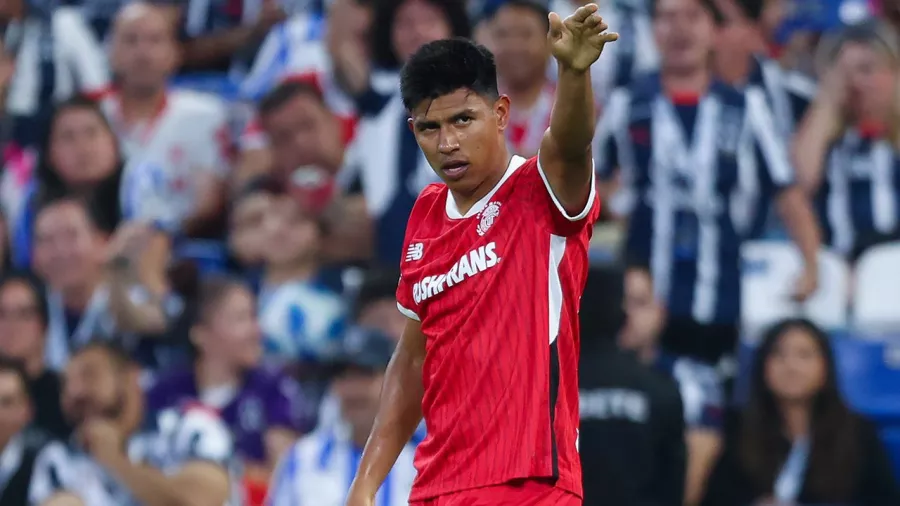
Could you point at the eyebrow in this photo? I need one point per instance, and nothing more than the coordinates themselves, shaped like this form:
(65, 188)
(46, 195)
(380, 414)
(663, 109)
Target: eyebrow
(423, 123)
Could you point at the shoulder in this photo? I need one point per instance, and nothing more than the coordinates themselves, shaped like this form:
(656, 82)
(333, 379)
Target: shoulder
(800, 85)
(196, 105)
(431, 199)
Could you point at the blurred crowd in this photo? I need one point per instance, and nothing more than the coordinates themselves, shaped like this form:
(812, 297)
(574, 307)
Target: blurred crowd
(204, 204)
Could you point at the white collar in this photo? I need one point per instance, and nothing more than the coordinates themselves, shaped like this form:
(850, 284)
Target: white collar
(453, 211)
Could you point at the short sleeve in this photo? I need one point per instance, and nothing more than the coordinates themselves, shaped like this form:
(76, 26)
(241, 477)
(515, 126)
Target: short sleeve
(562, 222)
(405, 299)
(771, 151)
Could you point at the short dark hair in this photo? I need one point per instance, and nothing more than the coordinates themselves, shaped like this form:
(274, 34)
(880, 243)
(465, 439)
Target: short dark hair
(708, 5)
(441, 67)
(383, 55)
(378, 284)
(16, 368)
(211, 291)
(37, 287)
(287, 91)
(539, 8)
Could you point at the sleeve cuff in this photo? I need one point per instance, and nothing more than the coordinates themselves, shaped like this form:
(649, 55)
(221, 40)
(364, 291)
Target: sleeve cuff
(559, 207)
(408, 313)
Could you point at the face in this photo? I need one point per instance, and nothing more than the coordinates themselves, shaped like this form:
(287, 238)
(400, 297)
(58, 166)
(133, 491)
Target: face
(21, 328)
(231, 334)
(416, 23)
(461, 134)
(519, 39)
(302, 132)
(15, 406)
(93, 387)
(67, 248)
(82, 148)
(349, 22)
(144, 52)
(247, 237)
(872, 79)
(358, 392)
(684, 32)
(293, 230)
(795, 371)
(644, 315)
(383, 315)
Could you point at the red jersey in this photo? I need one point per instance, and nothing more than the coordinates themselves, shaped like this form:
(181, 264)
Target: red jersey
(497, 291)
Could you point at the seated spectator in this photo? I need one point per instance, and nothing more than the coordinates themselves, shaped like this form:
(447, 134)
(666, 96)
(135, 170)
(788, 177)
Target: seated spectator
(55, 56)
(124, 456)
(797, 441)
(300, 317)
(319, 468)
(23, 337)
(376, 304)
(246, 236)
(17, 449)
(846, 150)
(264, 409)
(176, 141)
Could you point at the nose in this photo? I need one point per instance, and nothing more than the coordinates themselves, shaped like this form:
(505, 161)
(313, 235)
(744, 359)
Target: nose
(448, 141)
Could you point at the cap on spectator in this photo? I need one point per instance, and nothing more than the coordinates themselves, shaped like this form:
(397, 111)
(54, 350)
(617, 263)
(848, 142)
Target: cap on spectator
(870, 32)
(363, 348)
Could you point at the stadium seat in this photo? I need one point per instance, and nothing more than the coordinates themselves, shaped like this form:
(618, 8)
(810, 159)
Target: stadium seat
(876, 290)
(891, 438)
(769, 270)
(869, 375)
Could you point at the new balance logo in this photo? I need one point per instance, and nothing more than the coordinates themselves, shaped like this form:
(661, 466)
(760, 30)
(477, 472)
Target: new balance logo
(414, 252)
(472, 263)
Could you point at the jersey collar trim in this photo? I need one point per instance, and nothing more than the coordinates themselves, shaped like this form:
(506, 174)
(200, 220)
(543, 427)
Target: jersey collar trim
(453, 211)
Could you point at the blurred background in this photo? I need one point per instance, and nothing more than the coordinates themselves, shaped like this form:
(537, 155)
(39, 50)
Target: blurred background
(221, 188)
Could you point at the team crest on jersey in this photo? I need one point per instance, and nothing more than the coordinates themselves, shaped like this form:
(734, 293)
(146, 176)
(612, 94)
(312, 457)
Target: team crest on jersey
(488, 215)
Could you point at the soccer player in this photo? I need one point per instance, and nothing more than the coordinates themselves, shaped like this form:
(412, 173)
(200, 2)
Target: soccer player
(496, 259)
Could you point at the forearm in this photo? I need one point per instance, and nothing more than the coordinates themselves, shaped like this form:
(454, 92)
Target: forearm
(572, 119)
(145, 318)
(800, 221)
(149, 486)
(398, 416)
(810, 146)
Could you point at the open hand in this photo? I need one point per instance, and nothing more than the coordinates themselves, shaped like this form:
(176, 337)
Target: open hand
(578, 41)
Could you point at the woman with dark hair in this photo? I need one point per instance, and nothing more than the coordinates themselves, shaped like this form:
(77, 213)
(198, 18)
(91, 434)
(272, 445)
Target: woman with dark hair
(264, 408)
(797, 441)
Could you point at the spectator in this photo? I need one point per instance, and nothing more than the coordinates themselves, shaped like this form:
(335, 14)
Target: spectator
(263, 408)
(319, 468)
(376, 304)
(176, 142)
(692, 154)
(185, 457)
(698, 383)
(55, 56)
(384, 162)
(300, 318)
(17, 451)
(519, 39)
(846, 150)
(797, 441)
(23, 331)
(246, 238)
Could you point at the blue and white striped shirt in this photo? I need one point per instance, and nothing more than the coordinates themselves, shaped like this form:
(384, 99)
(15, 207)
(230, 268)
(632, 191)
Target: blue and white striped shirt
(691, 202)
(320, 467)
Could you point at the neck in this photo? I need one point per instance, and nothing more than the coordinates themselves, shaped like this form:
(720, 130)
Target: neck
(300, 270)
(209, 374)
(34, 365)
(647, 354)
(78, 297)
(524, 97)
(465, 202)
(695, 80)
(735, 71)
(796, 419)
(137, 105)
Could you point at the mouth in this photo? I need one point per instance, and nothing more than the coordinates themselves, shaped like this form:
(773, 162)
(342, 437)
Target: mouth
(455, 170)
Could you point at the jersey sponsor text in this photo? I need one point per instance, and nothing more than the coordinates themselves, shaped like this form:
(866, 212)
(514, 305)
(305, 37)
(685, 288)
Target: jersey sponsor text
(476, 261)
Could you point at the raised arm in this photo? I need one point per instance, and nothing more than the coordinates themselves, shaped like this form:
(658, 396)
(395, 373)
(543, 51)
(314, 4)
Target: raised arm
(398, 416)
(565, 154)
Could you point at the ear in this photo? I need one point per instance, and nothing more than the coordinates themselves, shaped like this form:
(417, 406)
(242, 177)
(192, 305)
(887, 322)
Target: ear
(501, 111)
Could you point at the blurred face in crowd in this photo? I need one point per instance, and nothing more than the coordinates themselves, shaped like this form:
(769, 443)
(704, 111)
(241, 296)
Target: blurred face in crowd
(21, 326)
(15, 406)
(302, 132)
(382, 315)
(229, 333)
(358, 391)
(685, 32)
(871, 80)
(83, 150)
(247, 236)
(293, 230)
(519, 42)
(68, 249)
(643, 313)
(144, 51)
(95, 386)
(795, 370)
(416, 23)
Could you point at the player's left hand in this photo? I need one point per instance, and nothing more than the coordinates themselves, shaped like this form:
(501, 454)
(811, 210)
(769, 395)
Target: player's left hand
(577, 42)
(103, 440)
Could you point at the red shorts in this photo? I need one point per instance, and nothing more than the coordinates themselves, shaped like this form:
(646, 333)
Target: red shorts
(517, 493)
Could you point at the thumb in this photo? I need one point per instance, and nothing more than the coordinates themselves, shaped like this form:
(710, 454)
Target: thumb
(556, 25)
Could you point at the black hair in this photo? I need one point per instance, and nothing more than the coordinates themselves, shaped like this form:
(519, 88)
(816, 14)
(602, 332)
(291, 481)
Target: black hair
(444, 66)
(751, 9)
(211, 292)
(104, 204)
(113, 349)
(539, 8)
(90, 212)
(378, 284)
(834, 450)
(287, 91)
(383, 55)
(37, 288)
(708, 5)
(16, 368)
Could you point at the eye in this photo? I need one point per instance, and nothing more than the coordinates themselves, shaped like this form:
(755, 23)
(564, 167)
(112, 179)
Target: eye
(463, 120)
